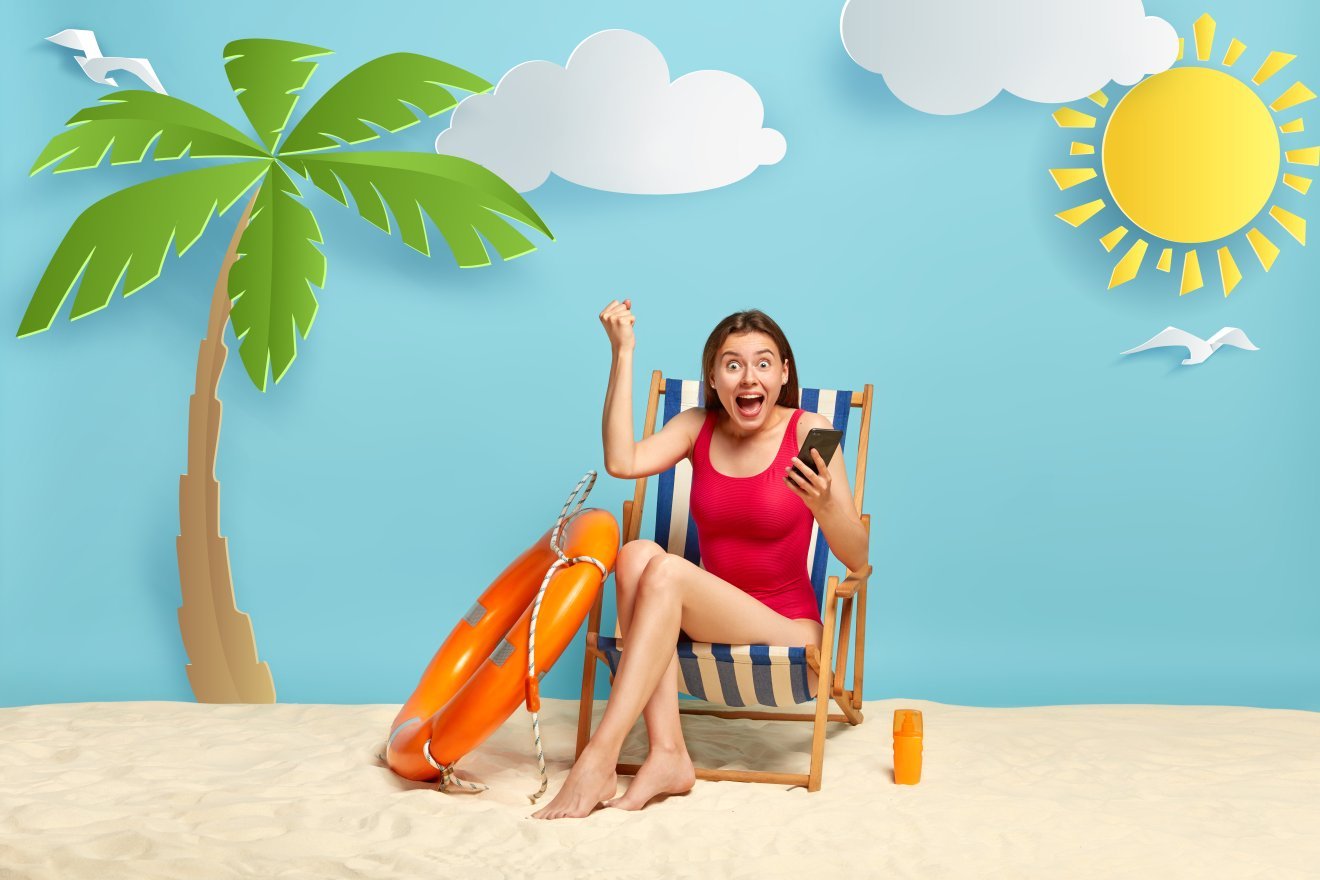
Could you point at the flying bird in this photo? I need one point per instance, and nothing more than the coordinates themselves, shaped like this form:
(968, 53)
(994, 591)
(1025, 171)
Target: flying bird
(96, 66)
(1198, 348)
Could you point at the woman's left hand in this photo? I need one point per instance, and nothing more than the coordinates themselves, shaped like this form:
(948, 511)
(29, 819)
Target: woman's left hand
(813, 489)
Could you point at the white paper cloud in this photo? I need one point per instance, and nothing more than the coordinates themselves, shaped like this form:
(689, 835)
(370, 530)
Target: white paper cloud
(611, 119)
(952, 56)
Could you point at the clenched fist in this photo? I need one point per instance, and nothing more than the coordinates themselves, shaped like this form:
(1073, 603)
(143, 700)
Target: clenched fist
(618, 320)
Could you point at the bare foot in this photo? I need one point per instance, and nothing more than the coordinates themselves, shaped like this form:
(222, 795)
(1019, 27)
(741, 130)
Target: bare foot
(664, 772)
(588, 783)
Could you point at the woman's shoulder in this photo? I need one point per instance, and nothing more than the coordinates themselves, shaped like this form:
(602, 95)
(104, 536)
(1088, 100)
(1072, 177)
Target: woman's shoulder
(693, 417)
(691, 420)
(809, 420)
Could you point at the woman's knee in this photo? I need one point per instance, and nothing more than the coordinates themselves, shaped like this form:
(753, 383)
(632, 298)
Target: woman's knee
(633, 559)
(661, 574)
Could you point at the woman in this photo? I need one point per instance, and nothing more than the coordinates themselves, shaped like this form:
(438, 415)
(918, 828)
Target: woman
(753, 501)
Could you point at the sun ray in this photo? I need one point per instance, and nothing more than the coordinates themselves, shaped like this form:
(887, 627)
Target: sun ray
(1228, 270)
(1066, 177)
(1307, 156)
(1293, 127)
(1080, 149)
(1204, 28)
(1191, 273)
(1234, 52)
(1191, 276)
(1296, 226)
(1111, 238)
(1297, 94)
(1301, 184)
(1067, 117)
(1099, 98)
(1266, 250)
(1166, 260)
(1273, 64)
(1126, 269)
(1182, 45)
(1077, 216)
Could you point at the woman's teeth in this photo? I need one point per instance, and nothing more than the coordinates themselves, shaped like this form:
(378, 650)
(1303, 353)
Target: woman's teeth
(749, 405)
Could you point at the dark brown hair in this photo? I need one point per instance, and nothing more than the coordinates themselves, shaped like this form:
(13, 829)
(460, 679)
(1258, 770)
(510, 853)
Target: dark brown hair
(750, 321)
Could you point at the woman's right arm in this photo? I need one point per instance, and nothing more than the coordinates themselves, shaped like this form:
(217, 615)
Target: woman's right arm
(625, 458)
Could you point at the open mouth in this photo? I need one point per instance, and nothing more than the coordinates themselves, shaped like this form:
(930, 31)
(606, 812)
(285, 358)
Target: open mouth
(749, 405)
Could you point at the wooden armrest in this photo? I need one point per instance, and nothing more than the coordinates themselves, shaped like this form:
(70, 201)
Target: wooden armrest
(849, 586)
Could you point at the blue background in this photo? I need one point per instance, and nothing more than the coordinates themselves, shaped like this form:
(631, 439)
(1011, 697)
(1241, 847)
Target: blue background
(1052, 523)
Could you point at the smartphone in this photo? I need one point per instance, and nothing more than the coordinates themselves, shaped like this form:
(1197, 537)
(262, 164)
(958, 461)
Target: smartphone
(825, 440)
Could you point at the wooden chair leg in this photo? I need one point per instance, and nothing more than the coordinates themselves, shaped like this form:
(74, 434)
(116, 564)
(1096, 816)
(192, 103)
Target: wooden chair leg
(824, 687)
(818, 742)
(585, 706)
(841, 646)
(589, 659)
(859, 652)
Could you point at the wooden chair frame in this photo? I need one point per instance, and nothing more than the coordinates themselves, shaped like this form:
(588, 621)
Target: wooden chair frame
(839, 622)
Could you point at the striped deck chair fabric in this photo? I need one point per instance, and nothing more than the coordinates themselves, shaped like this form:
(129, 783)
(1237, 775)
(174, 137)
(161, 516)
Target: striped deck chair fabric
(735, 675)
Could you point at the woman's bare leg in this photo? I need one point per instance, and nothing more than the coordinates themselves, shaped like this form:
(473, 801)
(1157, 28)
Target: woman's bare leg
(673, 594)
(667, 768)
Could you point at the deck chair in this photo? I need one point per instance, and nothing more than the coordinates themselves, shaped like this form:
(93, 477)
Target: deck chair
(739, 676)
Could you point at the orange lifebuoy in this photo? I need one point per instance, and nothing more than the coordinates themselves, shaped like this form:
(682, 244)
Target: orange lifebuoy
(479, 675)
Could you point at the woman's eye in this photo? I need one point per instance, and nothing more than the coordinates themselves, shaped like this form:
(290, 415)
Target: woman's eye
(765, 365)
(731, 366)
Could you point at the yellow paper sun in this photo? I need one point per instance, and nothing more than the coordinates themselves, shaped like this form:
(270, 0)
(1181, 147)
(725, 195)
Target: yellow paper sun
(1192, 156)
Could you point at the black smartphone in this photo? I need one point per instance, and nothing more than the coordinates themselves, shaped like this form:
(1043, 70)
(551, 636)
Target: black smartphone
(824, 440)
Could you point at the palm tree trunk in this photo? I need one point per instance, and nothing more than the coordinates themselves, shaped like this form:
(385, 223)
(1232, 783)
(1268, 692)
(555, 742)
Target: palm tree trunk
(217, 636)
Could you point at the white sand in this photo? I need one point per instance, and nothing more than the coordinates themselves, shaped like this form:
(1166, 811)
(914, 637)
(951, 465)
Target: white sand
(109, 790)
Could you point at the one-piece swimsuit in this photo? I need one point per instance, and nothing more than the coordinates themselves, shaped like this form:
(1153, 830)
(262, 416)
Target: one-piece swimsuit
(754, 531)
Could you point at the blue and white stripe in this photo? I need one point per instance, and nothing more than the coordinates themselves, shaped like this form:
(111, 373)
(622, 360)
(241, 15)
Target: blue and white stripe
(674, 529)
(735, 675)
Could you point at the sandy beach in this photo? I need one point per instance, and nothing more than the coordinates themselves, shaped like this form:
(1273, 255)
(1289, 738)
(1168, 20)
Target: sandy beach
(164, 790)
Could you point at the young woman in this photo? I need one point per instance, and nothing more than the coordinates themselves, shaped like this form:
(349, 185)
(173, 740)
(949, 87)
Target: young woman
(753, 501)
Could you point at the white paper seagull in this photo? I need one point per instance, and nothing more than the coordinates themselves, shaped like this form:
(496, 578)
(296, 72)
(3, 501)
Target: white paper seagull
(1198, 348)
(97, 66)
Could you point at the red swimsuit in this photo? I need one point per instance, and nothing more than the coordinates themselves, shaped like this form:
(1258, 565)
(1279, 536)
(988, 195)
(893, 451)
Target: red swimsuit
(754, 531)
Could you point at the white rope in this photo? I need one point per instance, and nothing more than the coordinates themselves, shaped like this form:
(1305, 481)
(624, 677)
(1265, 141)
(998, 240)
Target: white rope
(533, 691)
(447, 777)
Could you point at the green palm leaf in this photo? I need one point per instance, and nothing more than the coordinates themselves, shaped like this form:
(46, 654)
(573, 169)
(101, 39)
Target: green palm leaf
(376, 93)
(127, 124)
(266, 75)
(464, 200)
(126, 235)
(271, 283)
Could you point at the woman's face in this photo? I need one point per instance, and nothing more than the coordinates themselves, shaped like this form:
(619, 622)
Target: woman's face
(749, 374)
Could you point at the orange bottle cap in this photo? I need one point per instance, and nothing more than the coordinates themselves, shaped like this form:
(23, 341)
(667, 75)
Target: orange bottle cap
(907, 722)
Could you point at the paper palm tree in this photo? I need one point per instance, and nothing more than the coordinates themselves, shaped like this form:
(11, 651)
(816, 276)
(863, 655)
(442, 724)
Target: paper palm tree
(266, 281)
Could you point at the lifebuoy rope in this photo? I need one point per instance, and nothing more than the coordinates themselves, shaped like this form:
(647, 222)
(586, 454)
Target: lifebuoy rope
(447, 777)
(533, 690)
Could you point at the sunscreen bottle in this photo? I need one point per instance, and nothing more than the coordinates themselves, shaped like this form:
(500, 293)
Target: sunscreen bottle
(907, 746)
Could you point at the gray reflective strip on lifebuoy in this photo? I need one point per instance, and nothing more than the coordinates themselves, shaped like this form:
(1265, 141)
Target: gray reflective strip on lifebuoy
(502, 653)
(390, 741)
(474, 615)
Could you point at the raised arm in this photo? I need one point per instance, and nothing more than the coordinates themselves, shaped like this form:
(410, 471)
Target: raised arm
(624, 456)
